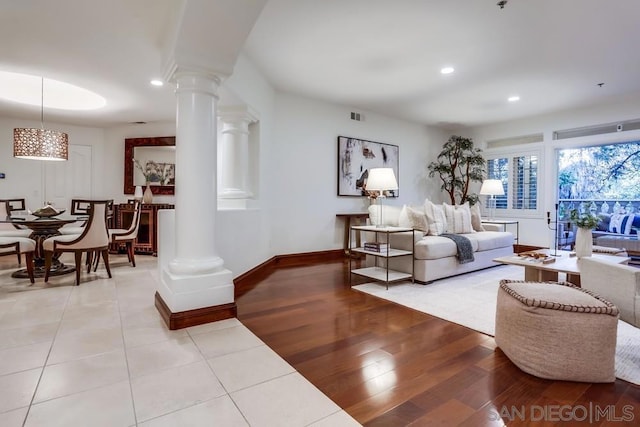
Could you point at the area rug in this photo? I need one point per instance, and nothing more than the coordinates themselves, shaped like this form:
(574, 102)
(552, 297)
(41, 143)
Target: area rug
(470, 300)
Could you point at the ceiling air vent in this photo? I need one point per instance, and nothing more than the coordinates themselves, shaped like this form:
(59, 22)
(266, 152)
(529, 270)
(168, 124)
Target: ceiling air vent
(597, 129)
(357, 117)
(515, 140)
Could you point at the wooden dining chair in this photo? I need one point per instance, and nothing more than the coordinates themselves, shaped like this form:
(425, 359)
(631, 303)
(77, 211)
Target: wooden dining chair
(19, 245)
(127, 236)
(15, 205)
(8, 229)
(94, 238)
(80, 207)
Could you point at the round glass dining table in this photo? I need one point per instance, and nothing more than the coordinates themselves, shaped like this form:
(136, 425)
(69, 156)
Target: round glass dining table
(42, 229)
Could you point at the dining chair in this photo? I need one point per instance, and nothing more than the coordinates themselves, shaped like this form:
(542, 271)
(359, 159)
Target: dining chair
(80, 207)
(15, 205)
(19, 245)
(8, 229)
(127, 236)
(94, 238)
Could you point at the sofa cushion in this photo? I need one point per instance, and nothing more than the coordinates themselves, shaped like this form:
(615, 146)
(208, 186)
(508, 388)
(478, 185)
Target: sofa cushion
(488, 240)
(417, 219)
(622, 224)
(403, 219)
(436, 247)
(435, 217)
(458, 218)
(476, 218)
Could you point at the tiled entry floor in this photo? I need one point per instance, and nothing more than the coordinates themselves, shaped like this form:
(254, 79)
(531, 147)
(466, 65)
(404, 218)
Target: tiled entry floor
(98, 354)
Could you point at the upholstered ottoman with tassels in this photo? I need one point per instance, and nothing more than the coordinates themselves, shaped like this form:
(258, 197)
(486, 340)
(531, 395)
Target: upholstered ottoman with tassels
(557, 331)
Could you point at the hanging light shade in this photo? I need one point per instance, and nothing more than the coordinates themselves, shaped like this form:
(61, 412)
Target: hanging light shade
(40, 144)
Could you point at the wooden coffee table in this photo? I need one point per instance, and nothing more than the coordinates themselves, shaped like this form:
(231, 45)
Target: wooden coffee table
(537, 271)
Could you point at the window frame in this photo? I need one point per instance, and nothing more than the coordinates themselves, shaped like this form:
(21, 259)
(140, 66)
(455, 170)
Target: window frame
(510, 153)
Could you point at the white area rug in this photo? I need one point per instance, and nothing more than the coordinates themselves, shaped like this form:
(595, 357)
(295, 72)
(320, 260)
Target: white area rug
(470, 300)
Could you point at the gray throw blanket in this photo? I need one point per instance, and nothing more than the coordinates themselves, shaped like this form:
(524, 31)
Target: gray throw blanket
(465, 251)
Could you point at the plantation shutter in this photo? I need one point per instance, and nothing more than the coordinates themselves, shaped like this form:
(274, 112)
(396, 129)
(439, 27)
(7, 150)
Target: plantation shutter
(525, 182)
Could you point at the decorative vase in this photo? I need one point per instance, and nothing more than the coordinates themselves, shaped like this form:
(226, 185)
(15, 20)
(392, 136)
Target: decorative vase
(584, 242)
(147, 197)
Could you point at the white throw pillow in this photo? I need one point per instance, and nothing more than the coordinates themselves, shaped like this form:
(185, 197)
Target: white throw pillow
(436, 218)
(417, 219)
(476, 218)
(458, 218)
(403, 219)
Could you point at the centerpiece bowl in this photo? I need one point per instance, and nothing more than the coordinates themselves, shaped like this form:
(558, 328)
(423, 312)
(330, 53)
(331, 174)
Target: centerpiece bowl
(47, 212)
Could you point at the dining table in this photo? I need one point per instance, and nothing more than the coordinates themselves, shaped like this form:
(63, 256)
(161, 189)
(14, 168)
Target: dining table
(41, 229)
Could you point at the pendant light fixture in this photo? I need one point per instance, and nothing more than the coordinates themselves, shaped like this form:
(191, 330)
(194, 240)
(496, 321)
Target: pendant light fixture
(40, 144)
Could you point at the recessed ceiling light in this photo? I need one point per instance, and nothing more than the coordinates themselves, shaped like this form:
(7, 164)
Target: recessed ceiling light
(27, 89)
(514, 98)
(447, 70)
(157, 82)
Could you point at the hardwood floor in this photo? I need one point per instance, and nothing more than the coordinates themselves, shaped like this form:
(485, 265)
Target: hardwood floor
(388, 365)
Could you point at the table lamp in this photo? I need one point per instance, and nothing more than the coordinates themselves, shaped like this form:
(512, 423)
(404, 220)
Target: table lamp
(493, 188)
(381, 179)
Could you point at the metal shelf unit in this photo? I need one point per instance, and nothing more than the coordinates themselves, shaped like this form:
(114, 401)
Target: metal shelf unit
(377, 273)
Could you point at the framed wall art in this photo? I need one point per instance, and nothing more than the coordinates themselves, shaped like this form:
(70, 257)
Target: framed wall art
(356, 157)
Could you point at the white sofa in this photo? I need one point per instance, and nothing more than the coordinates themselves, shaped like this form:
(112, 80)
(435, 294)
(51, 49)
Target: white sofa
(435, 256)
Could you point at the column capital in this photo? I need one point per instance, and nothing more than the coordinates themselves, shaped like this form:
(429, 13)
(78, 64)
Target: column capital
(197, 81)
(237, 113)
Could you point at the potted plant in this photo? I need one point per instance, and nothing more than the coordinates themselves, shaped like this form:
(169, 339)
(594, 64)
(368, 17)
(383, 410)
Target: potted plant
(458, 165)
(586, 222)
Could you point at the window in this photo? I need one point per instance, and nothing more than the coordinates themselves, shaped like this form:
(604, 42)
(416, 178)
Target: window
(519, 176)
(602, 178)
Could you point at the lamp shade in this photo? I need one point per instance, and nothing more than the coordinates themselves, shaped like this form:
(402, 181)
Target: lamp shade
(40, 144)
(381, 179)
(138, 193)
(492, 187)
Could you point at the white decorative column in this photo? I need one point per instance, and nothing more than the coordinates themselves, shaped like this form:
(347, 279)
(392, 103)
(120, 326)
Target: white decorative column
(235, 152)
(195, 278)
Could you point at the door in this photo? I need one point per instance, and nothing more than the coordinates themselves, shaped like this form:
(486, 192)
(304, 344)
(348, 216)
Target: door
(71, 179)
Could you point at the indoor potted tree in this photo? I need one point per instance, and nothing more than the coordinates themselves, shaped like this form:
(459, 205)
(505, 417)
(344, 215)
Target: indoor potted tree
(585, 222)
(458, 165)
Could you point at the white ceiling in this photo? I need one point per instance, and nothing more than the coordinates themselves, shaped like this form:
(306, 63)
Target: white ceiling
(377, 55)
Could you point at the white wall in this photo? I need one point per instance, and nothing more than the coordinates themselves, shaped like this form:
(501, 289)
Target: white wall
(304, 171)
(535, 231)
(244, 236)
(24, 178)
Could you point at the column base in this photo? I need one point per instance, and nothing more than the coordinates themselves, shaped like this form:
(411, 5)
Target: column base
(189, 292)
(185, 319)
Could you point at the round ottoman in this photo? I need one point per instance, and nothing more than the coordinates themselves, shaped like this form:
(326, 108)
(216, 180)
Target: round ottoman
(557, 331)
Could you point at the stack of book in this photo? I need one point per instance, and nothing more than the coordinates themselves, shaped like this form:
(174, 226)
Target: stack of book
(376, 247)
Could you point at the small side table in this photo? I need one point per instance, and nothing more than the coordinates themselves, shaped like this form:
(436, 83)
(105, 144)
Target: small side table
(503, 223)
(357, 220)
(384, 274)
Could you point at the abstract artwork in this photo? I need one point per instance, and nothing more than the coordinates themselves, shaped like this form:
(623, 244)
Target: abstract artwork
(356, 157)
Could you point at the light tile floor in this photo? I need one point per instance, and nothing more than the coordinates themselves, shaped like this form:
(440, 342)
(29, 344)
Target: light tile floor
(98, 354)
